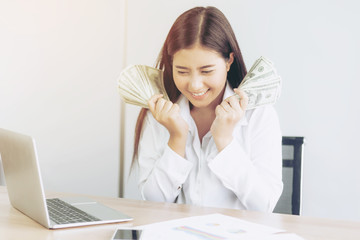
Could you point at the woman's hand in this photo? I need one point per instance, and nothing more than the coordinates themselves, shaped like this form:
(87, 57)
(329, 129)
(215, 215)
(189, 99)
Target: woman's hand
(168, 115)
(228, 114)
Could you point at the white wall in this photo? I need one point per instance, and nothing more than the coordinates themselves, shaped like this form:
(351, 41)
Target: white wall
(59, 61)
(314, 45)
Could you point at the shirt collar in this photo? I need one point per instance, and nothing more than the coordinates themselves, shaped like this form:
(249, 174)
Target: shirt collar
(228, 91)
(185, 111)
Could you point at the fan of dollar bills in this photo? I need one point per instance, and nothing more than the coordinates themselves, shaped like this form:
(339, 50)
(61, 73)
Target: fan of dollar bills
(261, 84)
(138, 83)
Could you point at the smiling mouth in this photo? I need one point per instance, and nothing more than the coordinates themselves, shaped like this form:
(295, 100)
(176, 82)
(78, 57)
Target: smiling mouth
(199, 94)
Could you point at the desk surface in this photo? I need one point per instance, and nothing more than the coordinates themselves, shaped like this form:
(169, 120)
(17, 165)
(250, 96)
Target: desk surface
(15, 225)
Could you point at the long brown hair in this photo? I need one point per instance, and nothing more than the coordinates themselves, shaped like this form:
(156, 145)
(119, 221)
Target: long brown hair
(207, 26)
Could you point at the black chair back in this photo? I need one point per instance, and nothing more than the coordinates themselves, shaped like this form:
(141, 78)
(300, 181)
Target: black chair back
(290, 200)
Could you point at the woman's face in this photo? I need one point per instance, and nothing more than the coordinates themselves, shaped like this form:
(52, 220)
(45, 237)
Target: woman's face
(200, 75)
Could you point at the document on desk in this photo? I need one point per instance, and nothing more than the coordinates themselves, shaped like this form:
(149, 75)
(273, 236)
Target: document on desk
(213, 227)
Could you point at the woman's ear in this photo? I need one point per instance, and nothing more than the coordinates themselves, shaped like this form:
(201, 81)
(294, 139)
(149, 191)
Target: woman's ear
(229, 61)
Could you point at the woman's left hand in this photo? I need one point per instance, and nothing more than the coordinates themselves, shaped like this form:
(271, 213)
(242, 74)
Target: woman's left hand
(228, 114)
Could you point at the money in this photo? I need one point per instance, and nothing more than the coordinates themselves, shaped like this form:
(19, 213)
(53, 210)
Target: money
(261, 84)
(262, 94)
(138, 83)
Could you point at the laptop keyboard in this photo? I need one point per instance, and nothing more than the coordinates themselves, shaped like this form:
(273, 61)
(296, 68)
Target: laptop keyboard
(62, 213)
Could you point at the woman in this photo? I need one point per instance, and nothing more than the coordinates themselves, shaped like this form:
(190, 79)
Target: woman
(203, 147)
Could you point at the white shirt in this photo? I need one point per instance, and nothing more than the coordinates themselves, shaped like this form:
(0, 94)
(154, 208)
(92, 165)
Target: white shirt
(246, 174)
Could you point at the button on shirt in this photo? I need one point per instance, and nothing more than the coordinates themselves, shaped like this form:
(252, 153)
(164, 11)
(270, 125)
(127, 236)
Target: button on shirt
(246, 174)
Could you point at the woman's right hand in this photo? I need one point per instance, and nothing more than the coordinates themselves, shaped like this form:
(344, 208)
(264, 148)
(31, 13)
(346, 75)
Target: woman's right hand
(168, 115)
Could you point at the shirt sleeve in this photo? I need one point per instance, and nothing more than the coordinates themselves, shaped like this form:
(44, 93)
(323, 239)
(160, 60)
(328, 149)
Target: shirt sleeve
(251, 166)
(161, 171)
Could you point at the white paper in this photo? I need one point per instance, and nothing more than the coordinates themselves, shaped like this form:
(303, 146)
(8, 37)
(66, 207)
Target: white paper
(212, 227)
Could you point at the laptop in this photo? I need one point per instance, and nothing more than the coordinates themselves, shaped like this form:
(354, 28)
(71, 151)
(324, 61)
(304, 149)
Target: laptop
(26, 193)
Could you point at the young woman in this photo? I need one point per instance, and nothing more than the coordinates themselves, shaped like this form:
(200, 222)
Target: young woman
(203, 147)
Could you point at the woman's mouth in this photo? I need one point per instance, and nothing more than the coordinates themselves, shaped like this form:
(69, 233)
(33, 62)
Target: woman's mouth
(199, 93)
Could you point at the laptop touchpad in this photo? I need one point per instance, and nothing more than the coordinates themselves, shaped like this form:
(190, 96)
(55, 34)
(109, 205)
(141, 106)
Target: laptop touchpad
(94, 208)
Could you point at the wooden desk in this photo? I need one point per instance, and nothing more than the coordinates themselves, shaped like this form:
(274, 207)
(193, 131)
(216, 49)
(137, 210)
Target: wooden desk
(15, 225)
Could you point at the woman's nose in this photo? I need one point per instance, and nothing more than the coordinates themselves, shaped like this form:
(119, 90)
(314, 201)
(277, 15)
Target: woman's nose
(195, 82)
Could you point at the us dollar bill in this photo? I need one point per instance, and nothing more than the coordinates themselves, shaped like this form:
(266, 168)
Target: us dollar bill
(261, 84)
(262, 94)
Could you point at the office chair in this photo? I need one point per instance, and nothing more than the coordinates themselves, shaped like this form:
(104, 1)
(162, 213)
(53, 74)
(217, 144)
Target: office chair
(290, 199)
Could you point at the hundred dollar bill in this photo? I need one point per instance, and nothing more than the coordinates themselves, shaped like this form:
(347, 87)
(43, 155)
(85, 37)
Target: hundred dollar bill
(261, 66)
(262, 95)
(261, 84)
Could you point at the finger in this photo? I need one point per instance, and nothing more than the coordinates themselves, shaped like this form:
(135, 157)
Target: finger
(167, 106)
(226, 105)
(219, 110)
(152, 102)
(159, 105)
(244, 99)
(174, 109)
(234, 103)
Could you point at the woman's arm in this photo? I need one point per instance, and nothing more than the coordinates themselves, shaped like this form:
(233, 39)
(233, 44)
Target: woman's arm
(168, 115)
(161, 170)
(251, 165)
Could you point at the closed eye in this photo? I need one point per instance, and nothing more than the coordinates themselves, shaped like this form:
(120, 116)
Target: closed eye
(207, 72)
